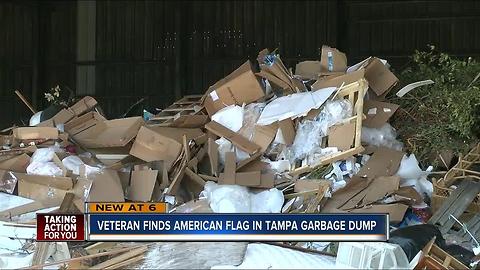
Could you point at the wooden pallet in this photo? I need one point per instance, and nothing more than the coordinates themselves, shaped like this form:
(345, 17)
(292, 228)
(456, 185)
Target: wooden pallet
(436, 258)
(188, 105)
(461, 169)
(354, 92)
(455, 205)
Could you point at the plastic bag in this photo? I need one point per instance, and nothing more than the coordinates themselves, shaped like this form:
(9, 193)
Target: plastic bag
(231, 117)
(384, 136)
(411, 175)
(227, 198)
(44, 168)
(238, 199)
(73, 163)
(43, 155)
(267, 201)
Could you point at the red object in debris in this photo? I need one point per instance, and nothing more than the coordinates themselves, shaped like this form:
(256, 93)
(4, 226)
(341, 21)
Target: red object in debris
(71, 149)
(423, 213)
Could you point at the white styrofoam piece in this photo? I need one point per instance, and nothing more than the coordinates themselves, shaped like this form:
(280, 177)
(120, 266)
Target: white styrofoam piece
(263, 256)
(293, 106)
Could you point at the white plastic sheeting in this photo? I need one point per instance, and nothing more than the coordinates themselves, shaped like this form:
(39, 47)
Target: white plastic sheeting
(263, 256)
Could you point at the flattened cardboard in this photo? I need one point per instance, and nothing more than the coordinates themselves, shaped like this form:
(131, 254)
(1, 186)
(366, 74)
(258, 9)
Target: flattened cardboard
(341, 136)
(307, 185)
(308, 69)
(286, 132)
(110, 133)
(245, 178)
(383, 162)
(142, 184)
(379, 77)
(411, 193)
(395, 211)
(376, 190)
(106, 187)
(190, 121)
(264, 135)
(152, 146)
(33, 133)
(213, 156)
(177, 133)
(236, 139)
(39, 192)
(332, 60)
(337, 81)
(59, 182)
(241, 86)
(267, 177)
(16, 164)
(228, 177)
(377, 113)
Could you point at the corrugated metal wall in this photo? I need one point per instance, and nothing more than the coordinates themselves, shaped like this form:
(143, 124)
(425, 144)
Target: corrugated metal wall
(164, 49)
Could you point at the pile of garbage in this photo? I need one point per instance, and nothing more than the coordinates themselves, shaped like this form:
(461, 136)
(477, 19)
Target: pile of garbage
(263, 139)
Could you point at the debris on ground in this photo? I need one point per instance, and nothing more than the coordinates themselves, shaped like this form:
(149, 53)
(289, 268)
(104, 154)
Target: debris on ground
(261, 140)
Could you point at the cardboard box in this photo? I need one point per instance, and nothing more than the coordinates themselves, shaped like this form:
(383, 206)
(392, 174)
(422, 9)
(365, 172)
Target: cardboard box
(238, 140)
(308, 69)
(332, 60)
(241, 86)
(83, 105)
(151, 146)
(377, 113)
(109, 133)
(34, 133)
(84, 122)
(162, 143)
(379, 77)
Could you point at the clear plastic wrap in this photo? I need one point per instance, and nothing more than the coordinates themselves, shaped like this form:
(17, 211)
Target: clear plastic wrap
(250, 116)
(333, 112)
(384, 136)
(309, 135)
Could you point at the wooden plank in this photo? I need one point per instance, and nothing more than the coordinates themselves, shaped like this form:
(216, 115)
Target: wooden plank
(120, 258)
(41, 253)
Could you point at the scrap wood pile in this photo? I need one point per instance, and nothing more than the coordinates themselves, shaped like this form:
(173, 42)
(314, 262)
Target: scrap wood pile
(261, 140)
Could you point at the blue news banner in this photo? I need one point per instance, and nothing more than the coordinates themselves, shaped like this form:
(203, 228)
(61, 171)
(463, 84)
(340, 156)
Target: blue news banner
(237, 227)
